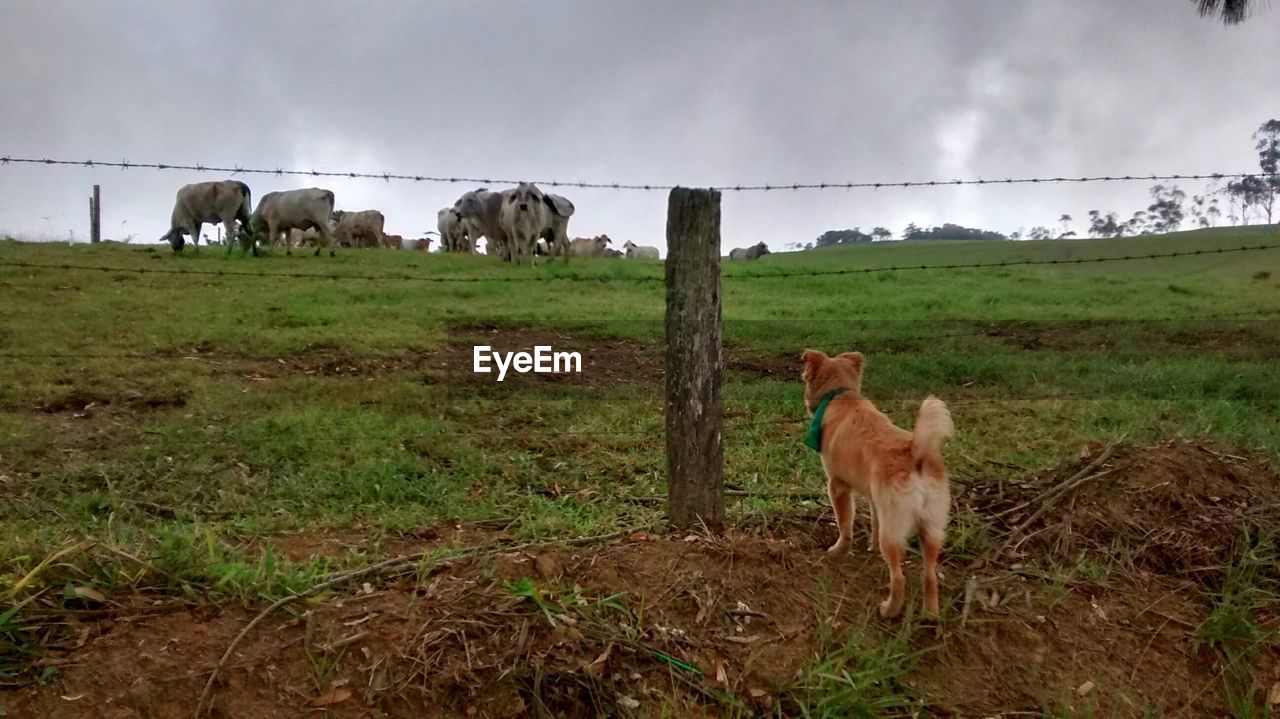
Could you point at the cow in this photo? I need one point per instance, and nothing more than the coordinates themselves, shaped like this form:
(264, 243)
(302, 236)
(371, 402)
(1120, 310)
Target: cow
(422, 245)
(393, 242)
(524, 216)
(612, 253)
(589, 247)
(454, 231)
(640, 252)
(225, 201)
(557, 231)
(753, 252)
(480, 209)
(360, 229)
(279, 212)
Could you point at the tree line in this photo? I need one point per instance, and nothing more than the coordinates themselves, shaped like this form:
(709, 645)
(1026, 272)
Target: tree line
(1246, 198)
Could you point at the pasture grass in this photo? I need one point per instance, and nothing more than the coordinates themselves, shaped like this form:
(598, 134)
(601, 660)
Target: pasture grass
(192, 420)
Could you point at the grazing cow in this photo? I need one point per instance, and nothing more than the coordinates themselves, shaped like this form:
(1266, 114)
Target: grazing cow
(612, 253)
(589, 247)
(225, 201)
(422, 245)
(640, 252)
(360, 229)
(524, 217)
(753, 252)
(279, 212)
(393, 242)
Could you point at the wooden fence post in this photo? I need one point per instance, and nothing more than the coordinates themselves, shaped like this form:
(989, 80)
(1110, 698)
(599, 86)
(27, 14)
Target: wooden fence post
(95, 216)
(694, 408)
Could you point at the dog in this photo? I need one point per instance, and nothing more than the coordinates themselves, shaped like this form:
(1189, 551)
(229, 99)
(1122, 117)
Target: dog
(901, 472)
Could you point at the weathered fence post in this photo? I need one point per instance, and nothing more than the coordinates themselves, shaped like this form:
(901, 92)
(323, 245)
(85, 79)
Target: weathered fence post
(694, 408)
(95, 216)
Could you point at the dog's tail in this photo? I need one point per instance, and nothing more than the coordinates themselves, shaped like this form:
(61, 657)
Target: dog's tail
(933, 425)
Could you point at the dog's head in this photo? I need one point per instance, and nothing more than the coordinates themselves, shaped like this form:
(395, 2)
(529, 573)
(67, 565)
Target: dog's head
(823, 374)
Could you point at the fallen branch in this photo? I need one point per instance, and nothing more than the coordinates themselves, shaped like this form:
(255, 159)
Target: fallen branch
(1047, 499)
(390, 567)
(1052, 493)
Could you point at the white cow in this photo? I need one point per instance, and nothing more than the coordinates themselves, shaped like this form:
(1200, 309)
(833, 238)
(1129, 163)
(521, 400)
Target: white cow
(360, 229)
(480, 210)
(524, 216)
(225, 201)
(589, 247)
(640, 252)
(455, 235)
(279, 212)
(753, 252)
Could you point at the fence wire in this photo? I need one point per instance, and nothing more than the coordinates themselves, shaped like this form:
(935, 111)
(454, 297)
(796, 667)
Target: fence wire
(766, 187)
(635, 278)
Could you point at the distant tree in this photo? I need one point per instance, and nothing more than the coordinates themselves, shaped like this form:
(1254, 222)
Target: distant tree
(1039, 233)
(1267, 143)
(830, 238)
(910, 230)
(1250, 191)
(1230, 12)
(1066, 224)
(1067, 234)
(1137, 225)
(1212, 213)
(1016, 235)
(1165, 213)
(1107, 225)
(951, 231)
(881, 234)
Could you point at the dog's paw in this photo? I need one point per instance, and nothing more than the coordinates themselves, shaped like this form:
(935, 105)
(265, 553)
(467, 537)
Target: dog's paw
(888, 610)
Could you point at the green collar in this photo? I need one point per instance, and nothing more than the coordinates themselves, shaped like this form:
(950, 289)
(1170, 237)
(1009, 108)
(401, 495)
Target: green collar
(813, 438)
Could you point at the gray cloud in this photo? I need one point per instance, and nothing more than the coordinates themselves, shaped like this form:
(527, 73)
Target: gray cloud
(662, 92)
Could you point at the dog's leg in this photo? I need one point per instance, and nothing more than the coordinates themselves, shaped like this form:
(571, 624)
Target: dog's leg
(842, 503)
(875, 528)
(892, 549)
(893, 524)
(930, 547)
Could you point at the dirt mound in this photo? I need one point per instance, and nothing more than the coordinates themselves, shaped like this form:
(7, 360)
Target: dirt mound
(758, 621)
(1176, 508)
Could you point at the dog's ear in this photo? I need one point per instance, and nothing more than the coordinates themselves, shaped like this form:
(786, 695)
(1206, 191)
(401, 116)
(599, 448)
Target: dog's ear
(855, 358)
(856, 362)
(813, 359)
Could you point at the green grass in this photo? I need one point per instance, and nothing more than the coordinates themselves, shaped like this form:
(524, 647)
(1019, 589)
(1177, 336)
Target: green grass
(199, 464)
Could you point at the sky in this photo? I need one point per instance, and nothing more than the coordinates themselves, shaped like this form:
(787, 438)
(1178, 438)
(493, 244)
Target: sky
(633, 91)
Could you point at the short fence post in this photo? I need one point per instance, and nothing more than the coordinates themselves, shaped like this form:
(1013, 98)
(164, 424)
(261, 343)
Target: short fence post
(95, 216)
(694, 408)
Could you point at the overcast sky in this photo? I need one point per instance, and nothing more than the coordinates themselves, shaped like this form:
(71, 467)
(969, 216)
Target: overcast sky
(656, 91)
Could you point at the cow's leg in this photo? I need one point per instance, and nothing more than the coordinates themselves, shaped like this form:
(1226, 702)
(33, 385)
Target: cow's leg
(327, 237)
(228, 231)
(195, 234)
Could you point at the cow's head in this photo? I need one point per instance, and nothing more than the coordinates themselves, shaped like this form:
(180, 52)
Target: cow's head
(525, 197)
(762, 249)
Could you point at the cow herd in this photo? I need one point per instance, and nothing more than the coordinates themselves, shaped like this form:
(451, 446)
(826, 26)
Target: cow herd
(517, 224)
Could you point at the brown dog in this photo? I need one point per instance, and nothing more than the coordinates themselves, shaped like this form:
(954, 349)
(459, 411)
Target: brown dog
(901, 472)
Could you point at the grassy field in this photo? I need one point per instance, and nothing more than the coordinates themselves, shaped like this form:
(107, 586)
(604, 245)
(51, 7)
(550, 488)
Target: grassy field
(209, 443)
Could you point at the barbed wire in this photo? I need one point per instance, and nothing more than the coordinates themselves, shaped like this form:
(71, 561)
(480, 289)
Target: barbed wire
(766, 187)
(635, 278)
(1005, 263)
